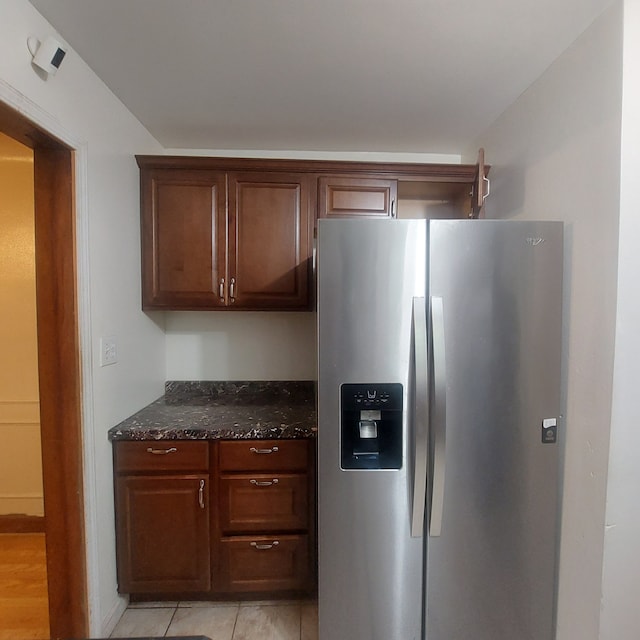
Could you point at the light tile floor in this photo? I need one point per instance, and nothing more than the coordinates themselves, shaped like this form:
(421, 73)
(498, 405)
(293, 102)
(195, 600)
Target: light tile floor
(290, 620)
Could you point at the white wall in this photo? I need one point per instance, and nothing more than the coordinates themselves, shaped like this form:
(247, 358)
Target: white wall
(240, 345)
(620, 618)
(555, 155)
(83, 112)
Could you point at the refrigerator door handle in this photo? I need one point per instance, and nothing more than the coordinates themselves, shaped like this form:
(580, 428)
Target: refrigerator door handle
(420, 417)
(439, 416)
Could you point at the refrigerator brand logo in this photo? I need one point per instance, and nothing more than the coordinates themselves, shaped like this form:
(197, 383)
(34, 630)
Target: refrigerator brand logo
(534, 242)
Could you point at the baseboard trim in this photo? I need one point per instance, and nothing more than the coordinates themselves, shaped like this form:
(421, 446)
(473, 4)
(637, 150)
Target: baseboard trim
(112, 618)
(20, 523)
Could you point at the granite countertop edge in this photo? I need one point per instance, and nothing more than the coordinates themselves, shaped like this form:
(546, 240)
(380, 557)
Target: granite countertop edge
(226, 415)
(213, 433)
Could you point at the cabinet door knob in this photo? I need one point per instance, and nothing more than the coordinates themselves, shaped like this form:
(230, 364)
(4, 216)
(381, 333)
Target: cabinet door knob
(161, 452)
(264, 451)
(264, 483)
(264, 546)
(201, 494)
(221, 289)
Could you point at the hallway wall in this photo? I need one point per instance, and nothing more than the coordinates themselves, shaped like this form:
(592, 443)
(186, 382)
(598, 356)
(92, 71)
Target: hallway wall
(20, 458)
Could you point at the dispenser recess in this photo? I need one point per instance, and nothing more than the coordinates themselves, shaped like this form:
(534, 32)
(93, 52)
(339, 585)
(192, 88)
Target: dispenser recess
(371, 426)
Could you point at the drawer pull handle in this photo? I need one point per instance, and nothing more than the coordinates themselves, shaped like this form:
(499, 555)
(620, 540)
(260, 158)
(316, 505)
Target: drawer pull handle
(272, 450)
(161, 452)
(264, 483)
(266, 546)
(201, 494)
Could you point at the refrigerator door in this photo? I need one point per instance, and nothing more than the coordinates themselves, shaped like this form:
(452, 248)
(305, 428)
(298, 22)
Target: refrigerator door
(491, 571)
(370, 568)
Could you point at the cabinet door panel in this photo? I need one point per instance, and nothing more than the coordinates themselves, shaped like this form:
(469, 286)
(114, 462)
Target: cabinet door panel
(356, 197)
(264, 564)
(269, 246)
(163, 534)
(184, 238)
(263, 503)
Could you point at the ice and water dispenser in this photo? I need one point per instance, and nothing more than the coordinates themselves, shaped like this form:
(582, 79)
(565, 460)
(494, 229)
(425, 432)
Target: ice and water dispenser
(371, 426)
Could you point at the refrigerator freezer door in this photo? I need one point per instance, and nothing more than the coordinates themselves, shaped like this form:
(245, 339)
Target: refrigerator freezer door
(370, 568)
(491, 572)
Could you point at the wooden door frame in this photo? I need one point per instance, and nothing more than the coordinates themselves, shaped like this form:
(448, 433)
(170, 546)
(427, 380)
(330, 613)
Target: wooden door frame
(59, 373)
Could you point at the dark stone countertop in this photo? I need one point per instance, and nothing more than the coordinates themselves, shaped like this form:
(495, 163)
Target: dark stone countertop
(226, 411)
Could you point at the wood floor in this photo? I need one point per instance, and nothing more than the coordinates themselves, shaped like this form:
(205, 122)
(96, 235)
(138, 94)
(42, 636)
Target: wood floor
(24, 609)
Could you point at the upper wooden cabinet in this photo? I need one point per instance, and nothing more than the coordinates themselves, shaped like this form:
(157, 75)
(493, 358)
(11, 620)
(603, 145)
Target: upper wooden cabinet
(269, 241)
(368, 190)
(216, 240)
(340, 197)
(236, 233)
(184, 238)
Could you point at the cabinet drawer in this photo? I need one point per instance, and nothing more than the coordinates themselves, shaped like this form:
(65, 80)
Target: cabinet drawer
(260, 564)
(161, 455)
(264, 455)
(261, 503)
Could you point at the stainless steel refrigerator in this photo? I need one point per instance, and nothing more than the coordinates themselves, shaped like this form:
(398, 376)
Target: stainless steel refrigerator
(438, 426)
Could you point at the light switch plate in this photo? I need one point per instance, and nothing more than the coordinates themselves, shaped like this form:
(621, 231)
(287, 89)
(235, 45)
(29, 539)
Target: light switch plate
(108, 351)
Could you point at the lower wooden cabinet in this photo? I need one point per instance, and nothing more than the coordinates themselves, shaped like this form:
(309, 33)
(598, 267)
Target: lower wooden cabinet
(213, 519)
(163, 534)
(266, 516)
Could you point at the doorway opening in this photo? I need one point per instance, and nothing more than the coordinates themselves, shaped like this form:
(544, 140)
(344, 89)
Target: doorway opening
(59, 373)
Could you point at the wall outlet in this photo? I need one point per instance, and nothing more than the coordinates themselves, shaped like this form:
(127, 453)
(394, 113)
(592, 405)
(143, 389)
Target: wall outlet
(108, 351)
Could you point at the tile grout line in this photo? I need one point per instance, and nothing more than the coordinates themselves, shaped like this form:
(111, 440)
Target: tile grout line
(235, 622)
(173, 615)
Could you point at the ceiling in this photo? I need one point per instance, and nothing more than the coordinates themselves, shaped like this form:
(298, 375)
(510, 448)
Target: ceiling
(319, 75)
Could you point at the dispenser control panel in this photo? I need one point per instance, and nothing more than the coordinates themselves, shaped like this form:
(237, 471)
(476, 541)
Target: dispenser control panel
(374, 395)
(371, 426)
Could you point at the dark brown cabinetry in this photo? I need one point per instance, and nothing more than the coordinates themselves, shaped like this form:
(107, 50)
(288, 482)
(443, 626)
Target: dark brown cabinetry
(162, 517)
(265, 521)
(216, 240)
(236, 233)
(212, 519)
(340, 197)
(184, 238)
(269, 241)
